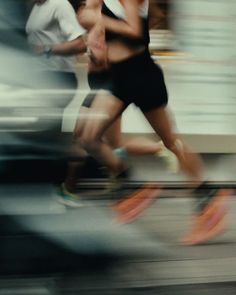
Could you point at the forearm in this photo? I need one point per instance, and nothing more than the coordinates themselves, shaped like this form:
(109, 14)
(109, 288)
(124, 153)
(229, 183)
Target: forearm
(70, 47)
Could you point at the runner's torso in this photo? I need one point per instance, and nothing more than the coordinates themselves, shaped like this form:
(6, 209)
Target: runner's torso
(120, 46)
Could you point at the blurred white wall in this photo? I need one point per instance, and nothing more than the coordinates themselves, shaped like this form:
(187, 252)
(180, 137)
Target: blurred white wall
(203, 85)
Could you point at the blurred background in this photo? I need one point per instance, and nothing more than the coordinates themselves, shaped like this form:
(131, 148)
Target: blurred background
(46, 248)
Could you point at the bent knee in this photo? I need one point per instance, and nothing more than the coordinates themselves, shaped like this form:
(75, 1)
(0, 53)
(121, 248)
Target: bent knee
(88, 141)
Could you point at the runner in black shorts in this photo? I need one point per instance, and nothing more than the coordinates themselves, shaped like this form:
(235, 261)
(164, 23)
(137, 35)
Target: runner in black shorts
(99, 77)
(137, 79)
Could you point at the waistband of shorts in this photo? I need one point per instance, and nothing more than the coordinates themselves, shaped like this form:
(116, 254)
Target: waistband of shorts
(142, 56)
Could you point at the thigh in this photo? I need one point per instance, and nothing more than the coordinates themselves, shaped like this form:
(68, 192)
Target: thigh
(104, 110)
(159, 119)
(97, 81)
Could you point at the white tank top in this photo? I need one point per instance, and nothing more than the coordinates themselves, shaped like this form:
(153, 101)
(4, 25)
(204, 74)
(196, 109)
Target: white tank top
(116, 7)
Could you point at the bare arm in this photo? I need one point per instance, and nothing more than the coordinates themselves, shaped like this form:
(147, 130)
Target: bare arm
(68, 48)
(131, 26)
(89, 13)
(71, 31)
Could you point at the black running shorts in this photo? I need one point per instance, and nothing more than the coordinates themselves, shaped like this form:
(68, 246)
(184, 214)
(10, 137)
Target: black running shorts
(97, 81)
(140, 81)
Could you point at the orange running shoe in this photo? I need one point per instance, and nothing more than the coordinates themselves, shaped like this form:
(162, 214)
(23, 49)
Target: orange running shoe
(132, 206)
(129, 201)
(211, 222)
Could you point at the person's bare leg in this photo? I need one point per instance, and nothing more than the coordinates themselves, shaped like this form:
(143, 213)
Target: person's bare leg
(139, 146)
(112, 135)
(190, 162)
(212, 205)
(73, 170)
(102, 114)
(74, 167)
(136, 146)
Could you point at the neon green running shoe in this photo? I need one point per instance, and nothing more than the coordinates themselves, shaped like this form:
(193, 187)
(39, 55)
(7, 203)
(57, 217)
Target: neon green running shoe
(67, 198)
(169, 158)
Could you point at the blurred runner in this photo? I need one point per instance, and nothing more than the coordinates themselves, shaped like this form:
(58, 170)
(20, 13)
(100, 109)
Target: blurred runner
(137, 79)
(99, 78)
(54, 33)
